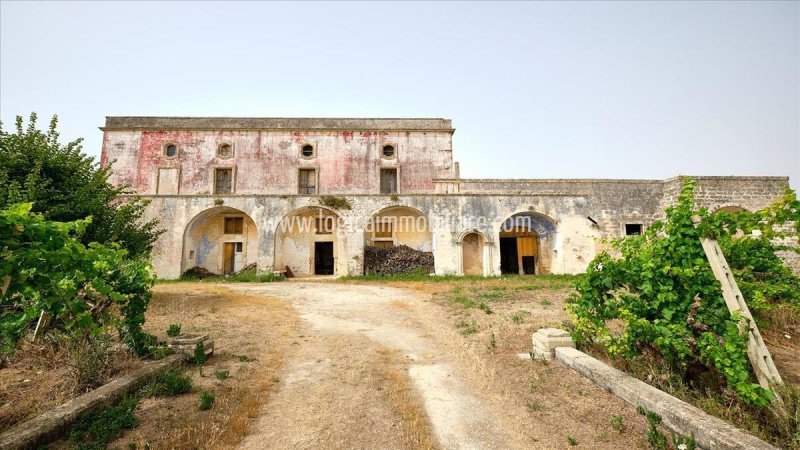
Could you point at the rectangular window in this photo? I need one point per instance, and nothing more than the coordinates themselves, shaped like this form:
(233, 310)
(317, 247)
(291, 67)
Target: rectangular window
(383, 229)
(234, 225)
(388, 181)
(223, 181)
(238, 247)
(307, 181)
(633, 229)
(324, 225)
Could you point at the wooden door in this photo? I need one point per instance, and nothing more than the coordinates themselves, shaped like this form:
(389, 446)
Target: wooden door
(228, 258)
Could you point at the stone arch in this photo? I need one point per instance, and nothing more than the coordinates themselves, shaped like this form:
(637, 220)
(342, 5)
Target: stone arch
(730, 208)
(472, 253)
(527, 241)
(399, 225)
(311, 241)
(221, 240)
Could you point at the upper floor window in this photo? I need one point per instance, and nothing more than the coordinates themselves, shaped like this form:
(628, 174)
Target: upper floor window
(170, 150)
(307, 151)
(388, 181)
(225, 150)
(389, 151)
(307, 181)
(223, 181)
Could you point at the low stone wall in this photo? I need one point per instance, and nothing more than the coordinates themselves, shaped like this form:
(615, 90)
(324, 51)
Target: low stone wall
(49, 426)
(709, 432)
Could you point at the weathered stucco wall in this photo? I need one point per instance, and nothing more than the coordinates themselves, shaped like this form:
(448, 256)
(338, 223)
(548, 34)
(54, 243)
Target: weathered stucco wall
(266, 159)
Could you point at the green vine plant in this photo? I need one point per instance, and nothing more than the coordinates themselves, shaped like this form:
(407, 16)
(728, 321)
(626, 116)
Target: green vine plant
(85, 289)
(657, 296)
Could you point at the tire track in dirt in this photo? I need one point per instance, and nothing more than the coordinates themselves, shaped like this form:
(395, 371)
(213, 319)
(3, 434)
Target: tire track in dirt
(331, 391)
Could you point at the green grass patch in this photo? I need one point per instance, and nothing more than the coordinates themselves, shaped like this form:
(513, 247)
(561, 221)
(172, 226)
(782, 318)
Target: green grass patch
(222, 374)
(168, 383)
(519, 316)
(95, 431)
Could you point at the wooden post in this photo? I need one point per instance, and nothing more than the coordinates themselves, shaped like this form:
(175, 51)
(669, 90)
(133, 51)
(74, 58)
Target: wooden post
(757, 351)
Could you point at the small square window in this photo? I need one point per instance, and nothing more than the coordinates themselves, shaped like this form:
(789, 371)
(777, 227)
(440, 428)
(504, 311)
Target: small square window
(388, 151)
(633, 229)
(170, 150)
(234, 225)
(383, 229)
(307, 151)
(239, 247)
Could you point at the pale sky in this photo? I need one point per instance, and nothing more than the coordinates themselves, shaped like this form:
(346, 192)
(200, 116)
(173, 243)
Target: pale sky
(535, 90)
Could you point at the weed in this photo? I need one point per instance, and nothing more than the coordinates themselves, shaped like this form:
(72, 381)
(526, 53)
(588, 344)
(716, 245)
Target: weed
(485, 308)
(335, 202)
(245, 358)
(173, 330)
(466, 327)
(519, 316)
(545, 303)
(464, 301)
(168, 383)
(572, 441)
(95, 431)
(656, 439)
(492, 295)
(206, 401)
(682, 442)
(493, 342)
(275, 379)
(617, 424)
(222, 374)
(199, 356)
(213, 309)
(534, 406)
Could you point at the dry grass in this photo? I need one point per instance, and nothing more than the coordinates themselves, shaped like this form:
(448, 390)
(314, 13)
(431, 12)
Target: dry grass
(50, 372)
(416, 427)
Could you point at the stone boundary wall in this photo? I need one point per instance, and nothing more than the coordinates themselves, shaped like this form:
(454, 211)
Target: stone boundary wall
(709, 432)
(48, 426)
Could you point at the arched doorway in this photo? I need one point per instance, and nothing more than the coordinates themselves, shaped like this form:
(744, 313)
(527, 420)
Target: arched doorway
(308, 241)
(526, 241)
(221, 240)
(472, 254)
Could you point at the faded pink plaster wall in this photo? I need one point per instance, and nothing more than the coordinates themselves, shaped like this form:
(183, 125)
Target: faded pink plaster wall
(267, 162)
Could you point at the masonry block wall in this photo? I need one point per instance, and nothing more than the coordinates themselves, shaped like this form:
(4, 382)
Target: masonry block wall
(348, 158)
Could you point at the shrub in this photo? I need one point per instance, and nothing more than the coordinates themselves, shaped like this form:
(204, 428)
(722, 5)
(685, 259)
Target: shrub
(199, 356)
(80, 287)
(222, 374)
(335, 202)
(173, 330)
(663, 291)
(206, 401)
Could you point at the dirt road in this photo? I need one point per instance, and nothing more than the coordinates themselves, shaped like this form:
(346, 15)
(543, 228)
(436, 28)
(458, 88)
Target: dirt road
(332, 394)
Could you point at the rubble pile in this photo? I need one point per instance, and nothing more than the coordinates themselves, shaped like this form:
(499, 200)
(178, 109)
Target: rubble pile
(396, 260)
(198, 272)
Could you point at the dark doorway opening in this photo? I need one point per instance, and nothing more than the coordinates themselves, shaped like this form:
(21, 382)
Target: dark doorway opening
(323, 258)
(509, 263)
(529, 265)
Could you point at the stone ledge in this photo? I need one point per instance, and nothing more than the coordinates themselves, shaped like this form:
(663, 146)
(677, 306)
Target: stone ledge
(709, 432)
(48, 426)
(546, 340)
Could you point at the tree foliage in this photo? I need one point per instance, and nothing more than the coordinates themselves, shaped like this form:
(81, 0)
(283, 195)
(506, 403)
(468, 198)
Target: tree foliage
(66, 185)
(661, 290)
(84, 289)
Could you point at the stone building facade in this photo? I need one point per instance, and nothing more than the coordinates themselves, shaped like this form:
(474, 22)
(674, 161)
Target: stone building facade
(309, 194)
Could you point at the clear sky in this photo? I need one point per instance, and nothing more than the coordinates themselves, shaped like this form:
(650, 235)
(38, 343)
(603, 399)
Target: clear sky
(535, 90)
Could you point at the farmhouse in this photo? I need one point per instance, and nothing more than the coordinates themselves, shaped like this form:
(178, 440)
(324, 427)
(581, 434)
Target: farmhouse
(309, 194)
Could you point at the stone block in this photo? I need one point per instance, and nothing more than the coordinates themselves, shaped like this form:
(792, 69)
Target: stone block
(546, 340)
(186, 343)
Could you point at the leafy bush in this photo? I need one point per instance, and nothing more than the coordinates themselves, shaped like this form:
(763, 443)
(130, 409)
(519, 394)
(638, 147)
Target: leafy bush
(168, 383)
(65, 185)
(83, 289)
(173, 330)
(335, 202)
(663, 292)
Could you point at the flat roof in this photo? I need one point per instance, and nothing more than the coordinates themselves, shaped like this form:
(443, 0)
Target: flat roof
(275, 123)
